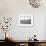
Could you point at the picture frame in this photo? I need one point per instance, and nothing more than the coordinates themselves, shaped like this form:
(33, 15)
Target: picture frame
(25, 20)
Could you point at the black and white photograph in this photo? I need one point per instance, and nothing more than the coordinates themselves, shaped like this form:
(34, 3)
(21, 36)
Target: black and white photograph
(26, 20)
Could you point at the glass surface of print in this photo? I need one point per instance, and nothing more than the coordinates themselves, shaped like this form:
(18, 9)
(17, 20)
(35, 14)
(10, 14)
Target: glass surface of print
(26, 20)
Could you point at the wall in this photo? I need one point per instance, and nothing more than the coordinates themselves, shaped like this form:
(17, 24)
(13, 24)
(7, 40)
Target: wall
(13, 8)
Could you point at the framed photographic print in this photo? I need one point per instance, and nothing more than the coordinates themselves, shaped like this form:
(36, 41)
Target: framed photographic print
(26, 20)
